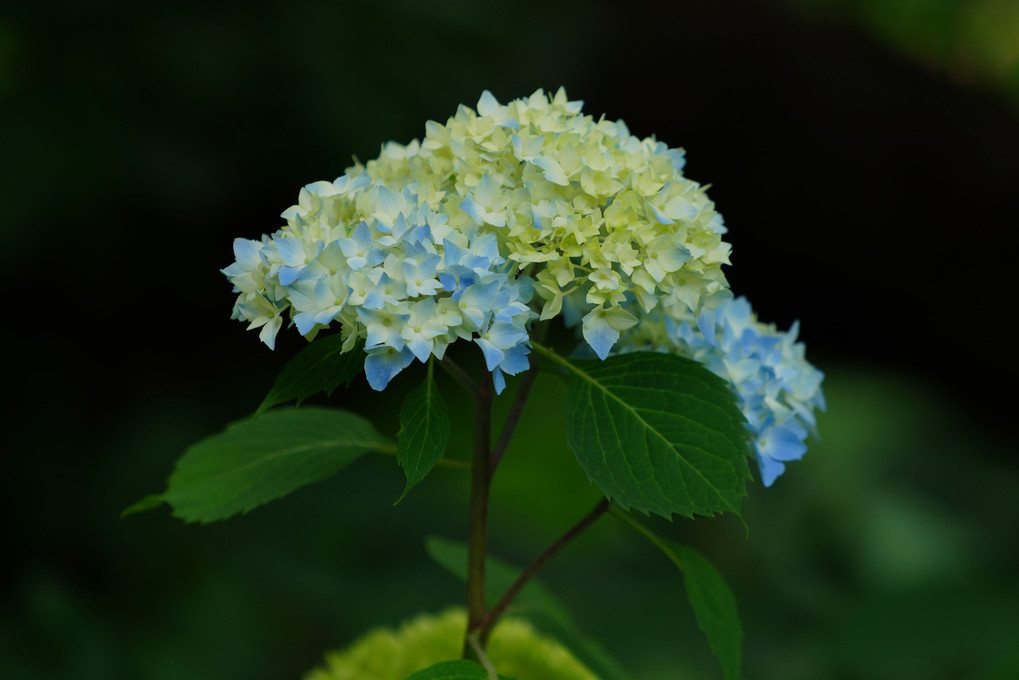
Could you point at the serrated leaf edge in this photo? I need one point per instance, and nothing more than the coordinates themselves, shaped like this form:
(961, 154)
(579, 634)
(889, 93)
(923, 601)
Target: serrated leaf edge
(579, 372)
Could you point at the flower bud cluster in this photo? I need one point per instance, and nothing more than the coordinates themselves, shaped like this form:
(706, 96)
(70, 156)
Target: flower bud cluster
(504, 214)
(778, 389)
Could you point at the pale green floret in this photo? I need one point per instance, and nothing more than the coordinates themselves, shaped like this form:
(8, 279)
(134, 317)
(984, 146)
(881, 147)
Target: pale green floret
(515, 649)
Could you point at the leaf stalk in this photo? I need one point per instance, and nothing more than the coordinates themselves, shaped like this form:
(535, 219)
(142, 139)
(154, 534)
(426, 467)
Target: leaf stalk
(514, 416)
(461, 376)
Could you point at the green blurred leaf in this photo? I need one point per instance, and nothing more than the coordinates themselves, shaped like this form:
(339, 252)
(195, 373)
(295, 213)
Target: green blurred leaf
(150, 502)
(713, 606)
(322, 366)
(453, 670)
(657, 433)
(424, 431)
(255, 461)
(710, 598)
(534, 603)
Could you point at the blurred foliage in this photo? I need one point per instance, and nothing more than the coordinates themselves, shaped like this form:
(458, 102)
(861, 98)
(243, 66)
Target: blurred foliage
(881, 554)
(969, 41)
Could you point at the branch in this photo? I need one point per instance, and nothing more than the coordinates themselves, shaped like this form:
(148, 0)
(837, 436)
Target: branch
(500, 607)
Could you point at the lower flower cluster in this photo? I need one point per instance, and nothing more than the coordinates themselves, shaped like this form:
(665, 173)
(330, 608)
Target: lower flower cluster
(516, 650)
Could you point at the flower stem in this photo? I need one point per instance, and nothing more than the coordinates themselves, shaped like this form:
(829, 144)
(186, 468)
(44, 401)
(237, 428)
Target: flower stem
(492, 617)
(478, 521)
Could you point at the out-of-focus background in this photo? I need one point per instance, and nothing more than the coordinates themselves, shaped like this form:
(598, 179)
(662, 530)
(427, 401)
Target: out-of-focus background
(863, 152)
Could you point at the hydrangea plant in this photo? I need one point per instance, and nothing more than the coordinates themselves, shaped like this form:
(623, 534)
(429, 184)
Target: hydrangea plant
(503, 222)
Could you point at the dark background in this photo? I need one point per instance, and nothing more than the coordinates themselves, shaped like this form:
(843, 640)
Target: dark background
(863, 155)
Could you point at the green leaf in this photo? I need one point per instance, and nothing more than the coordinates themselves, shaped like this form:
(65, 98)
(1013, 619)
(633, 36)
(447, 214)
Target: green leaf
(453, 670)
(534, 603)
(712, 602)
(424, 431)
(255, 461)
(321, 366)
(657, 433)
(150, 502)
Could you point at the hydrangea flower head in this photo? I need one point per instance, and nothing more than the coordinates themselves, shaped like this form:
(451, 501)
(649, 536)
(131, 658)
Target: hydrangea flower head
(503, 215)
(779, 391)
